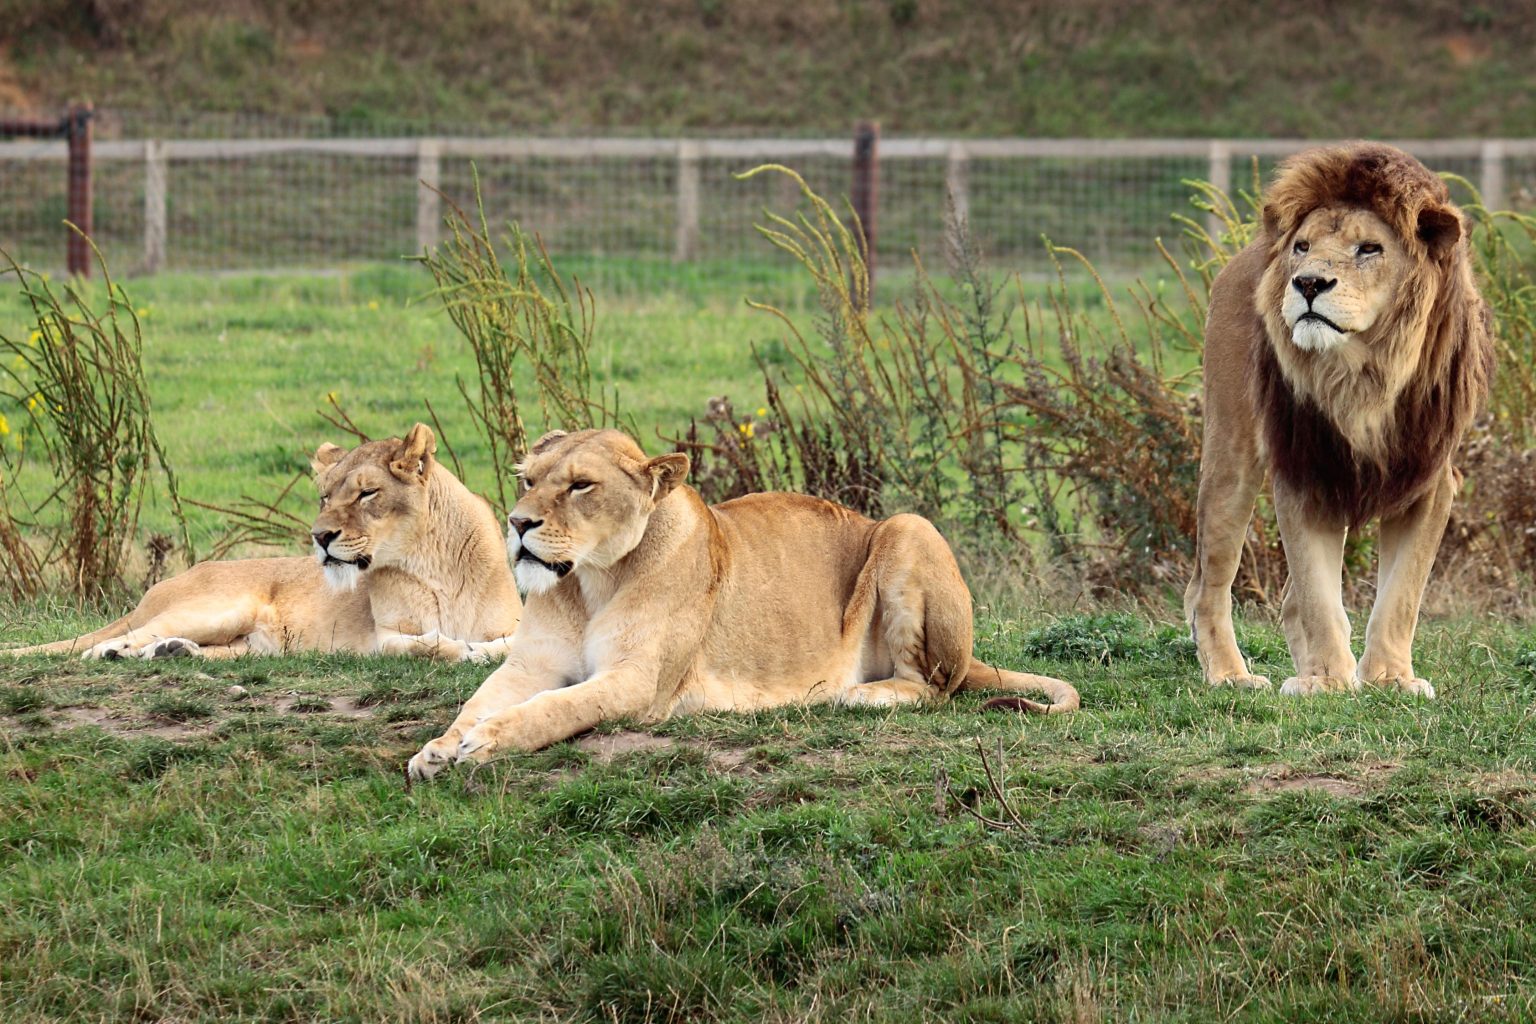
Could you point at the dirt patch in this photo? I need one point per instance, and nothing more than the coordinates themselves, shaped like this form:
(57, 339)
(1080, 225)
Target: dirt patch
(604, 747)
(1329, 784)
(122, 725)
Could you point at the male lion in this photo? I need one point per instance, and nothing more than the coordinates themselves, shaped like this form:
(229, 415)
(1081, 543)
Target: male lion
(407, 561)
(1346, 351)
(644, 601)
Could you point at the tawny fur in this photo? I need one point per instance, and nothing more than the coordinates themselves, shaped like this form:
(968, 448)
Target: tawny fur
(670, 606)
(436, 582)
(1362, 428)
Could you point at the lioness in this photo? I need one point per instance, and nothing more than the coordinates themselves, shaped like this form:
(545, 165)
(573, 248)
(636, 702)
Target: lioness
(1346, 351)
(642, 600)
(407, 561)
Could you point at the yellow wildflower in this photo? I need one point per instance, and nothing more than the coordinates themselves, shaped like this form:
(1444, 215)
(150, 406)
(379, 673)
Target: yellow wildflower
(32, 402)
(373, 303)
(34, 338)
(5, 425)
(747, 430)
(331, 396)
(761, 411)
(142, 313)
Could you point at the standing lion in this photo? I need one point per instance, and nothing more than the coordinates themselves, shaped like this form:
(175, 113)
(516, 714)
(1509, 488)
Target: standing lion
(1346, 351)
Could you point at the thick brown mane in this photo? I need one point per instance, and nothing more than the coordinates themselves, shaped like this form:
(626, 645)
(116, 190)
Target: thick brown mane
(1367, 440)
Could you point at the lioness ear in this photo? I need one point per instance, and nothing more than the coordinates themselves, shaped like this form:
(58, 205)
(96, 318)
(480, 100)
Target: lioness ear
(1439, 227)
(666, 472)
(549, 438)
(414, 454)
(326, 456)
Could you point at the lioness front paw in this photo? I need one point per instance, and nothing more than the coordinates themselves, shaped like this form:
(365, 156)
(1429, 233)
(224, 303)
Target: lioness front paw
(1306, 686)
(171, 647)
(480, 744)
(1242, 681)
(431, 759)
(110, 650)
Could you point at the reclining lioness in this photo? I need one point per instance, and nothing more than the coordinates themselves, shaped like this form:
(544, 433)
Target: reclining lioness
(644, 601)
(407, 561)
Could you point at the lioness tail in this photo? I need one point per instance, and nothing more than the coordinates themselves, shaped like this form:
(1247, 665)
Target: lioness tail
(981, 676)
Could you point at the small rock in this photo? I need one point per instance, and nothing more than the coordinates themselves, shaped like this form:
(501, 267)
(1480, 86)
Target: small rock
(238, 692)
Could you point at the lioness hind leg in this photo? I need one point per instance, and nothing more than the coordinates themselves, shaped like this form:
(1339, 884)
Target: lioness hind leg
(1407, 552)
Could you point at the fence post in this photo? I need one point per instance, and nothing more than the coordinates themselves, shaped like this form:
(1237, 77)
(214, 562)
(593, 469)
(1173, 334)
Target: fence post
(77, 253)
(1219, 174)
(957, 182)
(1492, 179)
(687, 201)
(428, 203)
(154, 206)
(865, 196)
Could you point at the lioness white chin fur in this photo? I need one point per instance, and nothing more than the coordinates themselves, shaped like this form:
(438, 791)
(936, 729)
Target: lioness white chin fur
(644, 601)
(407, 561)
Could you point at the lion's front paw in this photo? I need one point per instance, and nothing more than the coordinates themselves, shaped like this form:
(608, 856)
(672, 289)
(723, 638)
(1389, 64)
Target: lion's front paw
(1306, 686)
(1242, 681)
(1409, 684)
(171, 647)
(431, 759)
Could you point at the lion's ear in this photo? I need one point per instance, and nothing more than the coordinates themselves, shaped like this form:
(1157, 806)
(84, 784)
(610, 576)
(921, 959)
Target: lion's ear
(1274, 220)
(1439, 228)
(547, 439)
(414, 454)
(326, 456)
(666, 472)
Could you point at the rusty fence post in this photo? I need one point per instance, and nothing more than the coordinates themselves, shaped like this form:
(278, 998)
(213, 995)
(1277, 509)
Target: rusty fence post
(77, 253)
(866, 198)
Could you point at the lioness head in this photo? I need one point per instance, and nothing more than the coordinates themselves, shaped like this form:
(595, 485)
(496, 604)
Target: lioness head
(372, 503)
(1356, 235)
(587, 499)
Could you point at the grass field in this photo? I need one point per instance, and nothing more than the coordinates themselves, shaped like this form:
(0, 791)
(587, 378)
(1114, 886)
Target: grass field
(171, 852)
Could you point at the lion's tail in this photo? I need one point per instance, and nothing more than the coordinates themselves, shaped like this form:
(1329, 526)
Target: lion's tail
(80, 644)
(1063, 695)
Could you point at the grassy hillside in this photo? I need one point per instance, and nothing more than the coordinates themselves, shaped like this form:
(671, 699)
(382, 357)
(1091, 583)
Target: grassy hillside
(1097, 67)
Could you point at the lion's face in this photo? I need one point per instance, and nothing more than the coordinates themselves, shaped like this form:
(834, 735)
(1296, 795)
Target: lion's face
(373, 501)
(1343, 271)
(587, 500)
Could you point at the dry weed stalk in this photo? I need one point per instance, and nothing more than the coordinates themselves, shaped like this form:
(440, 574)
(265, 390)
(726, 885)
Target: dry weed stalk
(76, 385)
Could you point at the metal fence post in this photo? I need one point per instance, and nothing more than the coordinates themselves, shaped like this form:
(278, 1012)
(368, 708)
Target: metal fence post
(429, 154)
(865, 196)
(957, 182)
(154, 206)
(687, 201)
(77, 252)
(1492, 178)
(1219, 174)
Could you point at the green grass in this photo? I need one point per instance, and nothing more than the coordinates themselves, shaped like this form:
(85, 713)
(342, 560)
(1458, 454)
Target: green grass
(1186, 854)
(170, 850)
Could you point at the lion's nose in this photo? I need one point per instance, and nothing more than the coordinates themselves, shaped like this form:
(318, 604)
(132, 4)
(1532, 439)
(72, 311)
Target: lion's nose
(1312, 287)
(323, 538)
(522, 524)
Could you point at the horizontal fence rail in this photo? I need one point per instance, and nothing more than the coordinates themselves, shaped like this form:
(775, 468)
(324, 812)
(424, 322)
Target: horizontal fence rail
(302, 201)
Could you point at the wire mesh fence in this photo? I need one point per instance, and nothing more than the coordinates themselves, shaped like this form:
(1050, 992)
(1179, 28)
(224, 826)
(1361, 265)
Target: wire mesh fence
(226, 192)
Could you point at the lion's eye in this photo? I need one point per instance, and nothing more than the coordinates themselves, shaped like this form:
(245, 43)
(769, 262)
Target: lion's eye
(581, 486)
(372, 492)
(1301, 246)
(527, 483)
(1368, 248)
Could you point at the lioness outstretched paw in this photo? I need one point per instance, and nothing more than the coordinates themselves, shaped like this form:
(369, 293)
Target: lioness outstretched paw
(1242, 681)
(111, 650)
(479, 745)
(1306, 686)
(431, 759)
(171, 647)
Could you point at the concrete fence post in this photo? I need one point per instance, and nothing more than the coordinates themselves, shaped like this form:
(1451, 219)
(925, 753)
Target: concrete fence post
(687, 246)
(865, 197)
(1219, 174)
(1491, 181)
(429, 214)
(154, 206)
(957, 169)
(77, 251)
